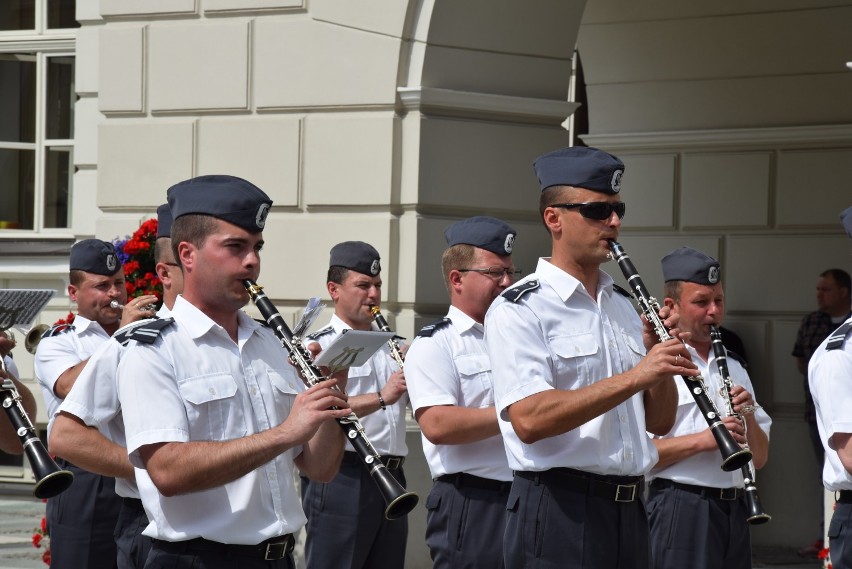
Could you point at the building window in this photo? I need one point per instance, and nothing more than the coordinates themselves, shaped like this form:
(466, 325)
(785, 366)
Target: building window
(37, 99)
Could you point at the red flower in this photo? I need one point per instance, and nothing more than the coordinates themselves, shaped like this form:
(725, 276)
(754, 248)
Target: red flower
(137, 254)
(43, 525)
(37, 537)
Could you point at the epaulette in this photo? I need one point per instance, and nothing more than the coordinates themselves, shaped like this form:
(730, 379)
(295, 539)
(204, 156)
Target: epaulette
(515, 293)
(736, 356)
(429, 329)
(837, 337)
(148, 332)
(622, 291)
(123, 335)
(322, 332)
(57, 330)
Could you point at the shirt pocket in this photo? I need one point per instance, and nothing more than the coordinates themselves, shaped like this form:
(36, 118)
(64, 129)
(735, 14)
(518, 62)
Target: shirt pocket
(633, 352)
(575, 360)
(475, 375)
(284, 390)
(213, 407)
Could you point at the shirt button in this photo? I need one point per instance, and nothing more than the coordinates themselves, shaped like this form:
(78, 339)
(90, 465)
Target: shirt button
(622, 418)
(212, 391)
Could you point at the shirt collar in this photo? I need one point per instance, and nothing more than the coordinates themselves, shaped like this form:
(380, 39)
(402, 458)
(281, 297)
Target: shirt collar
(196, 323)
(564, 284)
(463, 322)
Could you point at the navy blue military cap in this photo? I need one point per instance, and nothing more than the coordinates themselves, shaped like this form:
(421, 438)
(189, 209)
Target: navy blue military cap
(846, 220)
(581, 167)
(357, 256)
(164, 221)
(228, 198)
(688, 264)
(94, 256)
(485, 232)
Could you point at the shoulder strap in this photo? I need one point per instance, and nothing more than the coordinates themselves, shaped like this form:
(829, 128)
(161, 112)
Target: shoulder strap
(515, 293)
(148, 332)
(837, 337)
(123, 335)
(429, 329)
(57, 330)
(322, 332)
(621, 291)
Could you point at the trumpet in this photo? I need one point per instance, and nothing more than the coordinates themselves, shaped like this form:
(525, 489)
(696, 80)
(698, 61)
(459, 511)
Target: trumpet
(50, 478)
(119, 306)
(756, 514)
(399, 502)
(395, 350)
(733, 456)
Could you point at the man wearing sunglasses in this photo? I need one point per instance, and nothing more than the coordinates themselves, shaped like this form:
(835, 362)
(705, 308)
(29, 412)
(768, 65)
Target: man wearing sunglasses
(449, 383)
(575, 390)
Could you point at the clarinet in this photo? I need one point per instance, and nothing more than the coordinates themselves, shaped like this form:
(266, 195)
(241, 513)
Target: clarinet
(50, 478)
(733, 456)
(398, 500)
(756, 514)
(395, 350)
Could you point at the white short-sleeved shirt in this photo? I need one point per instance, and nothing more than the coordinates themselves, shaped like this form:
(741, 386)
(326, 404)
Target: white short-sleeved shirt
(829, 373)
(195, 384)
(94, 398)
(451, 367)
(386, 427)
(58, 352)
(556, 336)
(705, 469)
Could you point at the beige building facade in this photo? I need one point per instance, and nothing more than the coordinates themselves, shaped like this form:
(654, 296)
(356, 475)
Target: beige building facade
(384, 121)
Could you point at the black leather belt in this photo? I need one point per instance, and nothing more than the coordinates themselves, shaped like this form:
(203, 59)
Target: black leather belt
(615, 488)
(726, 494)
(843, 497)
(269, 550)
(390, 461)
(133, 503)
(463, 479)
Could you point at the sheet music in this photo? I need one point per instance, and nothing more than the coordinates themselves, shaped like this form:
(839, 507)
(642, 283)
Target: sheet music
(19, 307)
(312, 310)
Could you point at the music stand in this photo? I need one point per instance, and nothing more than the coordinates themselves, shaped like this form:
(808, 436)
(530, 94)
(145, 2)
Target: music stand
(19, 307)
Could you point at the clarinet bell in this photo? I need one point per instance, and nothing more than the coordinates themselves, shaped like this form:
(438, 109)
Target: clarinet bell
(755, 515)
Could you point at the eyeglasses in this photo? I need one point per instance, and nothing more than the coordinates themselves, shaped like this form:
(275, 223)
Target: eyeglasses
(495, 272)
(596, 210)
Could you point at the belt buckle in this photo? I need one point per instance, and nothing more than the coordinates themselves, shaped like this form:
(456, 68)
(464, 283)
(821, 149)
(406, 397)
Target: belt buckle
(630, 489)
(393, 462)
(277, 550)
(728, 494)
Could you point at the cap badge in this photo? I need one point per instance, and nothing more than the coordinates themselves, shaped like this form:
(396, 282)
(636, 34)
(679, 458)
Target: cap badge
(375, 267)
(509, 244)
(713, 275)
(111, 262)
(615, 183)
(262, 212)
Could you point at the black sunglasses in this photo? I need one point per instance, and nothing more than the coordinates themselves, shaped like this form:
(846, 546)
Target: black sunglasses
(596, 210)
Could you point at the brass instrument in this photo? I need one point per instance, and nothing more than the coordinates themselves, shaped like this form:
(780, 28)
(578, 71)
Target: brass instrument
(733, 456)
(33, 337)
(146, 308)
(395, 350)
(50, 478)
(399, 501)
(756, 514)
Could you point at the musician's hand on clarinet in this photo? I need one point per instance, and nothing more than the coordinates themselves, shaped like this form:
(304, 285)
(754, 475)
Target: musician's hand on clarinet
(735, 427)
(313, 407)
(663, 361)
(394, 388)
(742, 401)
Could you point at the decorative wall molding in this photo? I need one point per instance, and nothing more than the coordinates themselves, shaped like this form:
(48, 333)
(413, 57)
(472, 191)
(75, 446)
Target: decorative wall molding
(436, 101)
(781, 137)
